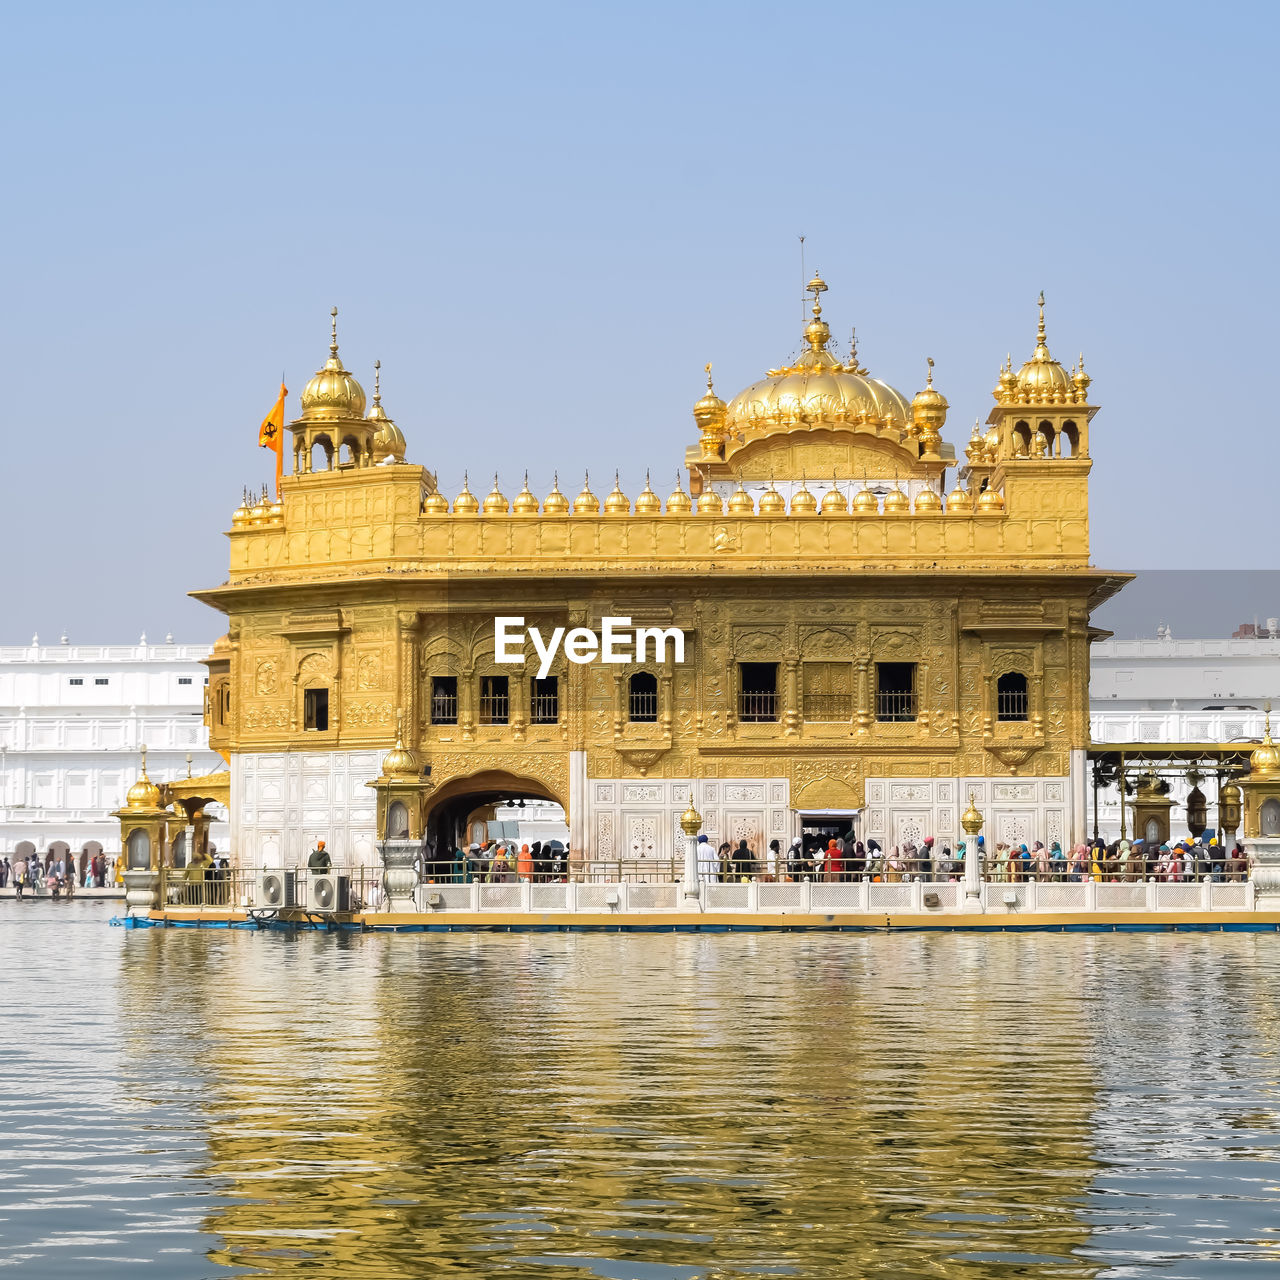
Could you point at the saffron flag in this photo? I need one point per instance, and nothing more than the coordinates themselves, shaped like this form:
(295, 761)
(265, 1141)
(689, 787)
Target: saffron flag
(271, 433)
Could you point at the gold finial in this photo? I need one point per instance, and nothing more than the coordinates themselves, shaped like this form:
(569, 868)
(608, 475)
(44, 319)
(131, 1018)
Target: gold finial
(707, 367)
(817, 286)
(144, 762)
(377, 382)
(1040, 338)
(400, 725)
(1266, 724)
(333, 336)
(929, 380)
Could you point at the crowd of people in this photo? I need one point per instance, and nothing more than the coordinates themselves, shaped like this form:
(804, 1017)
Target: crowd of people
(845, 859)
(55, 875)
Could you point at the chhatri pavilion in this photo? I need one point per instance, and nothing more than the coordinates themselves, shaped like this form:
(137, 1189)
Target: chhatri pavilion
(874, 627)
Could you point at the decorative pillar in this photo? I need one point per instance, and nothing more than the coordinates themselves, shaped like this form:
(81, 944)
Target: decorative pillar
(691, 824)
(142, 826)
(971, 822)
(791, 684)
(401, 783)
(1260, 790)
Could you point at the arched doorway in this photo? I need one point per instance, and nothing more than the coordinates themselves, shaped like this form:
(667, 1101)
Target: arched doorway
(463, 812)
(90, 851)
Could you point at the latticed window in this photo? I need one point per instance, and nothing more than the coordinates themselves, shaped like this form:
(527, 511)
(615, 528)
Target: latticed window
(544, 700)
(895, 691)
(758, 692)
(444, 700)
(828, 691)
(495, 701)
(642, 698)
(1011, 696)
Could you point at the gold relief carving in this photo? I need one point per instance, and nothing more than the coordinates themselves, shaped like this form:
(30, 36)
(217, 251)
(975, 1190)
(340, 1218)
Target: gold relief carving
(899, 644)
(724, 539)
(828, 642)
(756, 643)
(267, 680)
(369, 672)
(364, 715)
(315, 666)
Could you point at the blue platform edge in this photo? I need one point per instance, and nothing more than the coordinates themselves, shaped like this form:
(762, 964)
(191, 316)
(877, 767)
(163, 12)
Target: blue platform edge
(347, 926)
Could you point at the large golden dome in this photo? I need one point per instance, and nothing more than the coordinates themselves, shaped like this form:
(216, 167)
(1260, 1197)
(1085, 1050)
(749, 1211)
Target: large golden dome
(333, 392)
(818, 388)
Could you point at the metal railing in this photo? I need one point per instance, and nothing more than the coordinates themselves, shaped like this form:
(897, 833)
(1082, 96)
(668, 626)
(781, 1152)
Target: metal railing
(758, 707)
(893, 705)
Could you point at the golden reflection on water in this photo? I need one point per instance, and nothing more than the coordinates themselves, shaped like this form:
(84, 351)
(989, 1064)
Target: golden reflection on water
(634, 1105)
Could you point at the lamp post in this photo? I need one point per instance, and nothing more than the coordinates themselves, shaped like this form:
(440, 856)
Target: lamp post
(691, 824)
(971, 823)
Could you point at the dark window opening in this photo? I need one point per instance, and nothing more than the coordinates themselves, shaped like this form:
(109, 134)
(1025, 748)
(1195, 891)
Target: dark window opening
(895, 691)
(544, 700)
(315, 710)
(642, 698)
(101, 680)
(75, 680)
(444, 700)
(1011, 696)
(184, 679)
(758, 692)
(495, 701)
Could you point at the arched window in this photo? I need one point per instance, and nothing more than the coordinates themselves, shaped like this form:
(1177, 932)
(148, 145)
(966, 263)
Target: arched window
(397, 821)
(325, 461)
(1046, 430)
(1011, 696)
(139, 851)
(643, 698)
(1070, 438)
(1269, 818)
(180, 849)
(1021, 439)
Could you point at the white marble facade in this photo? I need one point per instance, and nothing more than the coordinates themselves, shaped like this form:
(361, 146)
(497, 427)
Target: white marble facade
(282, 802)
(1016, 810)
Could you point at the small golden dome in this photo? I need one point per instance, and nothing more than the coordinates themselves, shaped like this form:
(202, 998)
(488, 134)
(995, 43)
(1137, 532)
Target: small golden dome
(959, 500)
(990, 500)
(865, 502)
(466, 503)
(586, 503)
(974, 450)
(261, 512)
(144, 794)
(496, 504)
(240, 516)
(332, 393)
(833, 501)
(896, 502)
(708, 413)
(616, 502)
(929, 407)
(741, 502)
(399, 763)
(772, 503)
(803, 503)
(1264, 762)
(1042, 380)
(435, 504)
(679, 503)
(275, 509)
(647, 502)
(1081, 380)
(927, 500)
(556, 504)
(525, 504)
(710, 503)
(388, 439)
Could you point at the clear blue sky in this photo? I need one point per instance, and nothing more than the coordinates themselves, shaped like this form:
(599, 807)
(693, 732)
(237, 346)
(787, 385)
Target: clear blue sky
(544, 219)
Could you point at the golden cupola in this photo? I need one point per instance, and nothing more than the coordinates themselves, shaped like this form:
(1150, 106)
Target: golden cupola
(647, 502)
(388, 439)
(525, 504)
(495, 503)
(772, 503)
(332, 393)
(399, 762)
(1264, 762)
(896, 502)
(865, 502)
(616, 503)
(709, 414)
(928, 416)
(816, 388)
(833, 501)
(741, 502)
(1042, 380)
(144, 794)
(586, 503)
(679, 503)
(803, 503)
(466, 503)
(556, 504)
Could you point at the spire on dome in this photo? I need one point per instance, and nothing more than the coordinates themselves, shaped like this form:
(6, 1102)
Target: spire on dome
(333, 335)
(1042, 346)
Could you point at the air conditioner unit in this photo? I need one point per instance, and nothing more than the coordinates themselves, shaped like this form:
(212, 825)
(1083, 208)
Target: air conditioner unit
(277, 889)
(328, 892)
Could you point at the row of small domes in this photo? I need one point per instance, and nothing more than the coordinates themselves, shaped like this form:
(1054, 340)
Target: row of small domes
(648, 503)
(261, 511)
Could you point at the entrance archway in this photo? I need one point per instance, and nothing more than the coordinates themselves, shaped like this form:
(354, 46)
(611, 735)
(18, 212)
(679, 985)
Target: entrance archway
(459, 801)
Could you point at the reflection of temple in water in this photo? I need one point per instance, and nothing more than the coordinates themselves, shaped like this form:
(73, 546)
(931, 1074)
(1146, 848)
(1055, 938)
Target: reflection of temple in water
(403, 1107)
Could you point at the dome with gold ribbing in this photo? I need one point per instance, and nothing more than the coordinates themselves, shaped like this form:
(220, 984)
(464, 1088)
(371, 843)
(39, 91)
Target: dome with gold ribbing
(144, 794)
(332, 393)
(817, 389)
(1041, 380)
(388, 439)
(1264, 761)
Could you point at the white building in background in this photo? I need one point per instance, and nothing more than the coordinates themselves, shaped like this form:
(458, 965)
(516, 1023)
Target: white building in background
(72, 720)
(1165, 690)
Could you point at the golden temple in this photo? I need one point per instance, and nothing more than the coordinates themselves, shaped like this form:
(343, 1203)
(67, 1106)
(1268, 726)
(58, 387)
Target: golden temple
(865, 636)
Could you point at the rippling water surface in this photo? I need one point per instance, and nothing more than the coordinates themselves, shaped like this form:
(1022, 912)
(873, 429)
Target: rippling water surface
(182, 1103)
